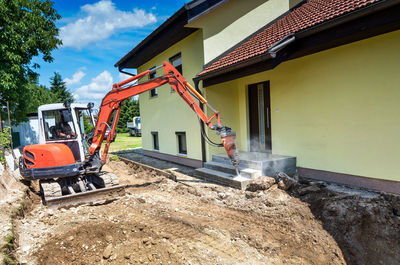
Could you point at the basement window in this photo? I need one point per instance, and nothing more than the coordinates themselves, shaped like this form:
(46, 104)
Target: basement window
(176, 62)
(155, 140)
(181, 137)
(153, 92)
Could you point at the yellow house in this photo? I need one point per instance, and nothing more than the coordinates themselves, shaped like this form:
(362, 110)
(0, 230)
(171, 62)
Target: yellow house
(317, 80)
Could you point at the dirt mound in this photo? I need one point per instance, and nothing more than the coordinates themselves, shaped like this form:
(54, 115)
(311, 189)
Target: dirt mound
(7, 184)
(191, 222)
(163, 221)
(128, 173)
(130, 242)
(366, 225)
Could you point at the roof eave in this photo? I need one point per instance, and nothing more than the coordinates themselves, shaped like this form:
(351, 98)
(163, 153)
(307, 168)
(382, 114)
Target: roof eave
(227, 69)
(270, 54)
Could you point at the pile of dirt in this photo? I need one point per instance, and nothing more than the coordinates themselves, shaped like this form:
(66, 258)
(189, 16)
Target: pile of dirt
(128, 174)
(8, 183)
(11, 194)
(366, 225)
(161, 221)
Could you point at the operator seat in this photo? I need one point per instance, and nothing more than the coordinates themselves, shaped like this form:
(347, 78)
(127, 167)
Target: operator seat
(53, 132)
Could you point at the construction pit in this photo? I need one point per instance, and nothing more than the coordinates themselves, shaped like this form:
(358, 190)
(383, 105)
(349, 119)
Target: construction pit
(189, 221)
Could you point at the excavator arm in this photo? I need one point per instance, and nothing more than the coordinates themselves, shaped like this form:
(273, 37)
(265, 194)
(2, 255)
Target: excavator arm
(111, 106)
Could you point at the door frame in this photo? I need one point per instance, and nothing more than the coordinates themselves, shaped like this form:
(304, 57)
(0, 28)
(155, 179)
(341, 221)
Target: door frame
(253, 122)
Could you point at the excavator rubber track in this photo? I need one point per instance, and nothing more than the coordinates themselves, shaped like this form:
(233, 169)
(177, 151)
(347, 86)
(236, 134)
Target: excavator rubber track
(103, 188)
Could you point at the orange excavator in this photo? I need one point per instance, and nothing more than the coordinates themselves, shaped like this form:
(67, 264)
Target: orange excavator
(67, 160)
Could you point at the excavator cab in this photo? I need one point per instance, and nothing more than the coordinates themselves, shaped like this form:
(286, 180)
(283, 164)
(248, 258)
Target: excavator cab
(67, 124)
(62, 142)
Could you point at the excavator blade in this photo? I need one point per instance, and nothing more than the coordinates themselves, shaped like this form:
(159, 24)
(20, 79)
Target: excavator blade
(92, 197)
(87, 189)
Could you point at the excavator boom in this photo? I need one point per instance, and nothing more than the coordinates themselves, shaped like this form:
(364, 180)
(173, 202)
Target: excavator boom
(111, 106)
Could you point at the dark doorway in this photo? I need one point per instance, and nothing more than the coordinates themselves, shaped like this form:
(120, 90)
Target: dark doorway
(260, 117)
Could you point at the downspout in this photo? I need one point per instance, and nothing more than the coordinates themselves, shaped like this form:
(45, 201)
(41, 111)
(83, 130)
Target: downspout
(202, 129)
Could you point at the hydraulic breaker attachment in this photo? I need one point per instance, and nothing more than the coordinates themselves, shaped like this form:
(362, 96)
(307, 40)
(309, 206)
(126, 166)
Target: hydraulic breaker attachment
(228, 138)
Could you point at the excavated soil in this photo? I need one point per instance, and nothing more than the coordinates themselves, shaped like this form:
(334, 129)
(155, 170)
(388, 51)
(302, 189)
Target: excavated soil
(160, 221)
(11, 191)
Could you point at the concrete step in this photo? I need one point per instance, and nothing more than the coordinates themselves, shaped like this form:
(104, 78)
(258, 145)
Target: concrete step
(222, 167)
(229, 169)
(224, 159)
(237, 182)
(267, 163)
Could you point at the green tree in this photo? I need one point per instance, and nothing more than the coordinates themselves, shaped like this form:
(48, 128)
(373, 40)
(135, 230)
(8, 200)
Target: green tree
(59, 89)
(5, 140)
(129, 109)
(27, 29)
(39, 95)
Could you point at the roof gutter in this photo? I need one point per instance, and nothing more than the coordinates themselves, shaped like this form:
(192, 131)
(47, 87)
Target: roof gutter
(272, 52)
(253, 60)
(188, 6)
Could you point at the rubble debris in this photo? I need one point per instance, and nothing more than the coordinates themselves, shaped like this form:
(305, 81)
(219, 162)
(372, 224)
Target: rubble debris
(260, 183)
(308, 189)
(107, 251)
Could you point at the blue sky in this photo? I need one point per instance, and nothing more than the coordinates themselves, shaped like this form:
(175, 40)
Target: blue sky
(96, 34)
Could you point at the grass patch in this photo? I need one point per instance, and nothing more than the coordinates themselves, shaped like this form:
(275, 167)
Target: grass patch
(124, 141)
(8, 248)
(114, 158)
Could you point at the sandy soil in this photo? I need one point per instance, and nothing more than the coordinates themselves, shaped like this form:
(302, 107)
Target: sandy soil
(160, 221)
(11, 192)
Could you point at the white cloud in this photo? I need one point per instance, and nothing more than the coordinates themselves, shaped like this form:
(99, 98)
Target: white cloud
(97, 89)
(101, 21)
(76, 78)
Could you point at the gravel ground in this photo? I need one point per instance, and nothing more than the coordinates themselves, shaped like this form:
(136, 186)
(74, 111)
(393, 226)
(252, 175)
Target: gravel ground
(160, 221)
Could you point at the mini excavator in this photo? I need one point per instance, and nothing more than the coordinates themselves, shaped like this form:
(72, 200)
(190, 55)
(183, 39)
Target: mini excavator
(67, 160)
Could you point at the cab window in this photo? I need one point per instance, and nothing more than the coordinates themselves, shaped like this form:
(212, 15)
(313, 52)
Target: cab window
(84, 120)
(58, 125)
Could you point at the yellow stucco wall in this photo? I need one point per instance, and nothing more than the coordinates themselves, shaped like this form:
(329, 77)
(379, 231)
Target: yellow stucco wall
(233, 21)
(168, 113)
(337, 110)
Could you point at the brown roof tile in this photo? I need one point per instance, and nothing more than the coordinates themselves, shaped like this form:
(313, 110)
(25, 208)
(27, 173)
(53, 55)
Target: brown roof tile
(311, 13)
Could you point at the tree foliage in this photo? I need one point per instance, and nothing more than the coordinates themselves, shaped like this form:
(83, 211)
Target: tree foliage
(5, 141)
(59, 89)
(39, 95)
(27, 29)
(129, 109)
